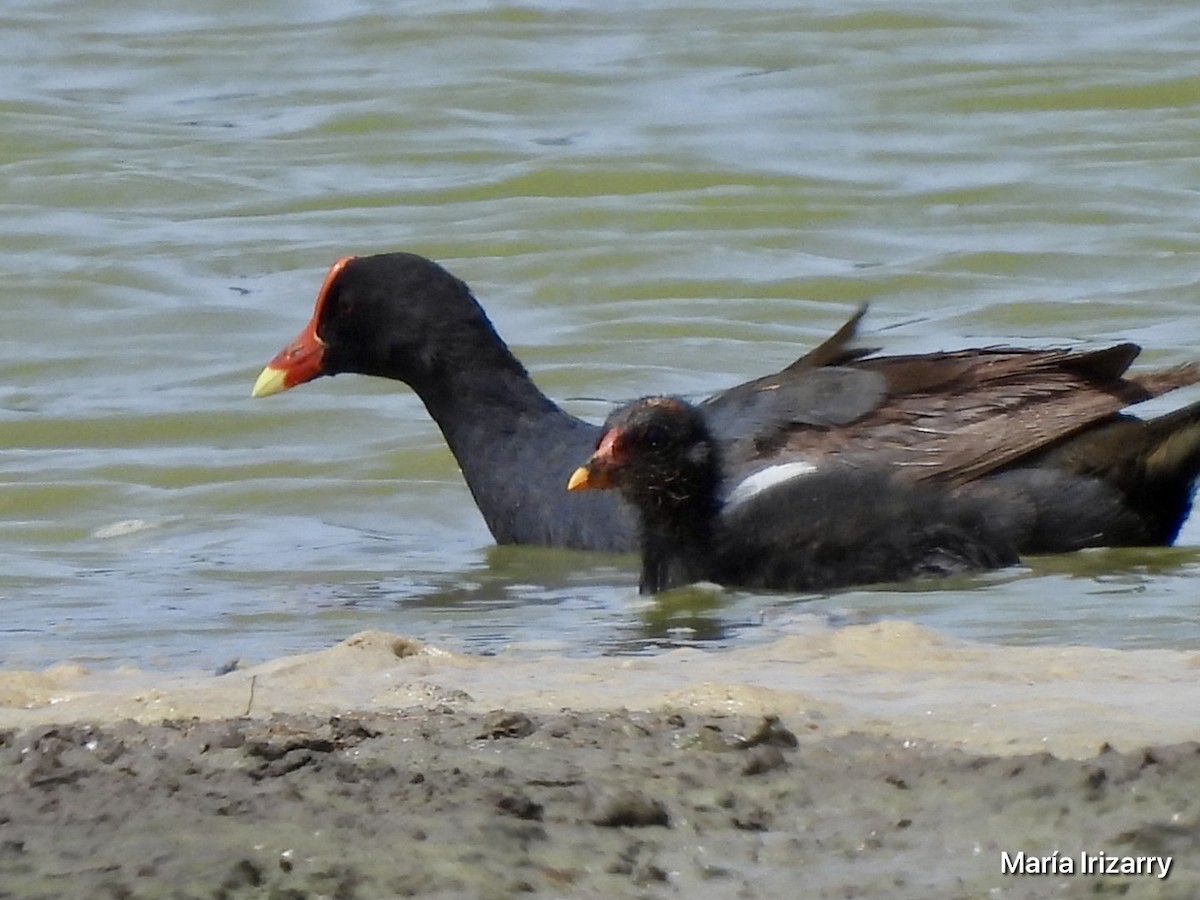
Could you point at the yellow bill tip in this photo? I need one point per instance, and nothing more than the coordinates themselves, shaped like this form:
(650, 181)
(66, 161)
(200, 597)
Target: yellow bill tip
(579, 480)
(271, 381)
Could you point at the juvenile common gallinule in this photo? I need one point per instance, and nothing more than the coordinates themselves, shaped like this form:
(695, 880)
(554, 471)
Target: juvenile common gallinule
(791, 526)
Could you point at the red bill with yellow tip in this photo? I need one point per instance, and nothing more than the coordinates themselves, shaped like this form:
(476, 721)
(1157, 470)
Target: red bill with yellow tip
(302, 360)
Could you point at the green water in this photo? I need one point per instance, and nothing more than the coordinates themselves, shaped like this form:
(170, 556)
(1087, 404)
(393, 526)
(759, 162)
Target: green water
(645, 196)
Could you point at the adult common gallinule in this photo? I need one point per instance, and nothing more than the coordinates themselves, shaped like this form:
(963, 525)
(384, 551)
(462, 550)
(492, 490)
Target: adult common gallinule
(985, 416)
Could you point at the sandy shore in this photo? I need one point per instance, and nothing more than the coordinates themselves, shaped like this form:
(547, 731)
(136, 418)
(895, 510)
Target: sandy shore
(869, 761)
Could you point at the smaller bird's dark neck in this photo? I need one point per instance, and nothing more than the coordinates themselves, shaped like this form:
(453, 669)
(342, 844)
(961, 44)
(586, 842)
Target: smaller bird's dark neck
(677, 544)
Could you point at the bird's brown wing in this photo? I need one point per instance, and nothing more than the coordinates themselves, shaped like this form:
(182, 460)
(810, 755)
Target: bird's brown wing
(950, 417)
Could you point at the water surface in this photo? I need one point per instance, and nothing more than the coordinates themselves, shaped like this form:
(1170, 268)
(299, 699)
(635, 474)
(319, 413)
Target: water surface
(645, 196)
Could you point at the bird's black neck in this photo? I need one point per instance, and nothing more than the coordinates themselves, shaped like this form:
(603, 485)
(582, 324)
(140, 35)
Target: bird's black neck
(677, 533)
(516, 449)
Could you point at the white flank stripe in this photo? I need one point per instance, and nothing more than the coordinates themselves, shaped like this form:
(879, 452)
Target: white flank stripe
(769, 477)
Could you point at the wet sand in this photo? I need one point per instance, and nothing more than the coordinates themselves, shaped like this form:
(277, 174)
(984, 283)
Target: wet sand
(870, 761)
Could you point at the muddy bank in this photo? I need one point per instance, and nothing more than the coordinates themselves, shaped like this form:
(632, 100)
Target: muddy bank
(880, 760)
(886, 678)
(438, 803)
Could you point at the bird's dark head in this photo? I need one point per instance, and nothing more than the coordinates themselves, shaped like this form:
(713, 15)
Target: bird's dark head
(658, 452)
(395, 315)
